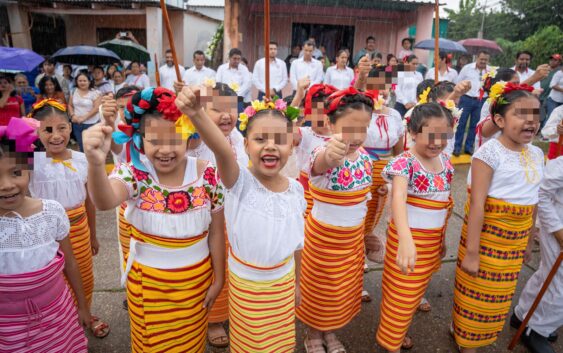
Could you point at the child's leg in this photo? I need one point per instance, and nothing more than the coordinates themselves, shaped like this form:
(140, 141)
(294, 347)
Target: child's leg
(219, 313)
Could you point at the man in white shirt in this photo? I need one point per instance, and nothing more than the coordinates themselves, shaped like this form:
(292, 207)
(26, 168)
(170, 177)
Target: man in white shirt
(445, 73)
(470, 102)
(278, 73)
(235, 75)
(523, 59)
(317, 53)
(197, 74)
(555, 98)
(307, 66)
(406, 86)
(168, 72)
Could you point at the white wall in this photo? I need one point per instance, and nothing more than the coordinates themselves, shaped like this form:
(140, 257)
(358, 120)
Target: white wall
(198, 32)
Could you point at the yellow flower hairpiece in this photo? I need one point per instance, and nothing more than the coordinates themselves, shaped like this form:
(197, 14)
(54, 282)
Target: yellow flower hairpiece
(492, 73)
(243, 118)
(234, 86)
(378, 103)
(185, 127)
(209, 82)
(423, 97)
(496, 92)
(255, 106)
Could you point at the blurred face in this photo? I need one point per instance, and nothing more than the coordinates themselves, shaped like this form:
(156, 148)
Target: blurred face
(67, 71)
(413, 64)
(234, 60)
(169, 59)
(553, 63)
(14, 183)
(268, 144)
(54, 133)
(48, 68)
(308, 52)
(406, 44)
(523, 61)
(482, 61)
(82, 82)
(118, 77)
(4, 85)
(353, 126)
(21, 82)
(164, 147)
(273, 51)
(122, 105)
(370, 45)
(223, 111)
(98, 74)
(295, 50)
(393, 61)
(49, 87)
(135, 68)
(521, 121)
(199, 61)
(376, 61)
(318, 119)
(342, 59)
(433, 138)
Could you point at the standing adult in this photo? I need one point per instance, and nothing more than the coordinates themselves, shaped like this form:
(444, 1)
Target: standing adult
(49, 88)
(306, 66)
(11, 105)
(555, 62)
(100, 83)
(235, 75)
(463, 60)
(369, 49)
(406, 49)
(406, 86)
(555, 98)
(49, 70)
(25, 91)
(83, 107)
(317, 53)
(470, 102)
(340, 75)
(445, 73)
(198, 73)
(522, 67)
(67, 75)
(294, 55)
(278, 73)
(168, 71)
(136, 77)
(118, 81)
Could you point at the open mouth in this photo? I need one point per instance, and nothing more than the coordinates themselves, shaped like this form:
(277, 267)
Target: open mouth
(165, 160)
(529, 132)
(270, 161)
(10, 197)
(56, 143)
(226, 126)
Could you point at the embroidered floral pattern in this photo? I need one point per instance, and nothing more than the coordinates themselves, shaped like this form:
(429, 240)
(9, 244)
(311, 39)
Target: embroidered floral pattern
(152, 200)
(352, 175)
(345, 177)
(139, 174)
(209, 176)
(199, 196)
(178, 202)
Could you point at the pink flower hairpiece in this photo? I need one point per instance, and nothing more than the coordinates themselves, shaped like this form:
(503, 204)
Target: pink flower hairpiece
(22, 132)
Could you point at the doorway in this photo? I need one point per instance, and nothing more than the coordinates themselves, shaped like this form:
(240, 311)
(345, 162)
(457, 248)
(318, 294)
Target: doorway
(332, 37)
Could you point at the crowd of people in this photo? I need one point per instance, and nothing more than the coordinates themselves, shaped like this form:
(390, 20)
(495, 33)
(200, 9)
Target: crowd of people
(214, 227)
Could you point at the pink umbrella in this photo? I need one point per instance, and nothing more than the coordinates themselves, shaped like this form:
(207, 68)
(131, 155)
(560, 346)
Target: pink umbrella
(474, 45)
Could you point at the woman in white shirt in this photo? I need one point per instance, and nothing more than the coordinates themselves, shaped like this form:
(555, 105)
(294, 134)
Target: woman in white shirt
(118, 81)
(136, 77)
(83, 107)
(340, 75)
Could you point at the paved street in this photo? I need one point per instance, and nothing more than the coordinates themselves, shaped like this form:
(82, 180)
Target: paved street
(429, 330)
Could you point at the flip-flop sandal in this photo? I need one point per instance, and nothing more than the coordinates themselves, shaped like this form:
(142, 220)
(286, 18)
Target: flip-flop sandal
(366, 268)
(99, 330)
(407, 343)
(424, 306)
(314, 346)
(217, 336)
(334, 346)
(366, 298)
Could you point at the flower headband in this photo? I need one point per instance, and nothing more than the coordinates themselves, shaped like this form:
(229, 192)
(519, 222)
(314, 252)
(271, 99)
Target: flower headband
(291, 113)
(316, 91)
(46, 102)
(21, 134)
(450, 105)
(335, 100)
(501, 88)
(423, 97)
(487, 80)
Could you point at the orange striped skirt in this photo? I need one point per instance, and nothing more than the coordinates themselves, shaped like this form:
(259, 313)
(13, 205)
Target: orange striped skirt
(261, 314)
(377, 202)
(79, 236)
(482, 303)
(304, 180)
(220, 310)
(401, 294)
(166, 305)
(124, 231)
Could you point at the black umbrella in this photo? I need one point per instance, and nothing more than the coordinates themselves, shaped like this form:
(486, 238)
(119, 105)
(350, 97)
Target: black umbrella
(127, 50)
(85, 55)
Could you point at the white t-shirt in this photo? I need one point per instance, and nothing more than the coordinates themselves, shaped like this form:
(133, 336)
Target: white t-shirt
(556, 80)
(340, 79)
(449, 75)
(195, 77)
(84, 105)
(142, 81)
(384, 131)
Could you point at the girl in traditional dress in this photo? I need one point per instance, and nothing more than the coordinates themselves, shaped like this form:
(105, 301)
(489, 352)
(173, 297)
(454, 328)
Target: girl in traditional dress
(333, 256)
(37, 312)
(504, 181)
(61, 174)
(264, 213)
(175, 266)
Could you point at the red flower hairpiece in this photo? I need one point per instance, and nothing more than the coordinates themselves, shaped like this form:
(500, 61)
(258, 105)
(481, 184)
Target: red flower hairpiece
(166, 106)
(313, 92)
(509, 87)
(336, 102)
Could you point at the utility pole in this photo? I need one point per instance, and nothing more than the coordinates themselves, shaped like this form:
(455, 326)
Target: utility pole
(480, 34)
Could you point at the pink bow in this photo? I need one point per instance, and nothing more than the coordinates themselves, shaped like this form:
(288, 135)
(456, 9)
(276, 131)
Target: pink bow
(23, 132)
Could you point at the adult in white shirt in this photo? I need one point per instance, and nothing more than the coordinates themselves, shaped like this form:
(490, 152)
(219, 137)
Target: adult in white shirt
(235, 75)
(197, 74)
(555, 98)
(470, 102)
(445, 73)
(307, 66)
(406, 86)
(136, 77)
(340, 75)
(523, 59)
(118, 81)
(168, 71)
(317, 53)
(278, 73)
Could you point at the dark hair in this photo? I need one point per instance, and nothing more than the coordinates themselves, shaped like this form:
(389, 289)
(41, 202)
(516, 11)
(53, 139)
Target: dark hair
(483, 51)
(508, 99)
(411, 58)
(81, 73)
(421, 87)
(406, 39)
(168, 51)
(440, 89)
(47, 110)
(125, 90)
(97, 67)
(10, 80)
(309, 43)
(422, 112)
(44, 80)
(391, 56)
(503, 74)
(338, 53)
(370, 38)
(524, 52)
(379, 55)
(198, 52)
(69, 66)
(273, 43)
(349, 102)
(117, 71)
(224, 90)
(134, 62)
(262, 114)
(108, 75)
(443, 55)
(234, 51)
(48, 60)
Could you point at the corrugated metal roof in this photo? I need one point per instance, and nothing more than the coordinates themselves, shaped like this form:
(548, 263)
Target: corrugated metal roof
(119, 3)
(206, 3)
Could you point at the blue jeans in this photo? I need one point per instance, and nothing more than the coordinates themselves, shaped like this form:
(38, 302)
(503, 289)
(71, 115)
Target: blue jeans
(77, 130)
(551, 104)
(472, 112)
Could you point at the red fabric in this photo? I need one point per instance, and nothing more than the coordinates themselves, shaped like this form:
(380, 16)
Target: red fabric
(11, 110)
(314, 92)
(552, 152)
(335, 99)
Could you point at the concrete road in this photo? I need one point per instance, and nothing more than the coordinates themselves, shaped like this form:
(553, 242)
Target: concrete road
(429, 330)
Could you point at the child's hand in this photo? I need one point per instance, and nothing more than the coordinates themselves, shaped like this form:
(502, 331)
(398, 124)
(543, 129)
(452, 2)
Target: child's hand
(559, 237)
(406, 255)
(212, 294)
(109, 109)
(335, 151)
(95, 246)
(178, 86)
(382, 190)
(470, 265)
(304, 83)
(97, 143)
(189, 100)
(364, 65)
(84, 317)
(462, 87)
(297, 295)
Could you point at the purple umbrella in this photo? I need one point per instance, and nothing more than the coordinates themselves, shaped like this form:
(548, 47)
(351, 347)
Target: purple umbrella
(18, 59)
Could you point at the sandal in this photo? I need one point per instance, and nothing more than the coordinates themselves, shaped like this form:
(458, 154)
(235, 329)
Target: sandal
(314, 346)
(366, 267)
(424, 306)
(333, 345)
(366, 298)
(216, 336)
(99, 330)
(407, 343)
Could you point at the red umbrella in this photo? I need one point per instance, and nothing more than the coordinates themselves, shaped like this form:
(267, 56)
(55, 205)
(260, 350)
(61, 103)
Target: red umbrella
(474, 45)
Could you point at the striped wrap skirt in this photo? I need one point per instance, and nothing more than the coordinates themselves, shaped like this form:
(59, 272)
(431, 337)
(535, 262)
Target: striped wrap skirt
(304, 180)
(377, 202)
(79, 236)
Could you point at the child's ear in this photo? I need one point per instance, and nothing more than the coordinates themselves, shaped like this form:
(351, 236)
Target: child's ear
(498, 120)
(246, 145)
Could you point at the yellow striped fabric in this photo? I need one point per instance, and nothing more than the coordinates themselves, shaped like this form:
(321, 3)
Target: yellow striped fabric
(262, 315)
(482, 303)
(304, 180)
(377, 202)
(166, 306)
(79, 236)
(220, 310)
(124, 231)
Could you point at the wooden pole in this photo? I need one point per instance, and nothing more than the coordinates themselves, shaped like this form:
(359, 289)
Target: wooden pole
(170, 38)
(548, 280)
(267, 46)
(156, 73)
(436, 40)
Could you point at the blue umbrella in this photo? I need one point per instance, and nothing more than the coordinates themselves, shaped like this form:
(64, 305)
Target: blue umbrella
(18, 59)
(446, 45)
(85, 55)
